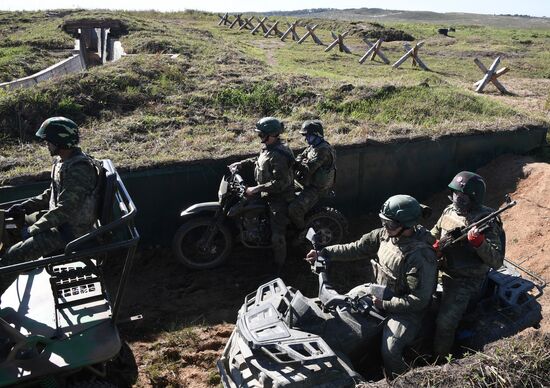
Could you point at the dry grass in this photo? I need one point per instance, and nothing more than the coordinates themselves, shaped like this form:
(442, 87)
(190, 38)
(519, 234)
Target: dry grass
(148, 110)
(520, 361)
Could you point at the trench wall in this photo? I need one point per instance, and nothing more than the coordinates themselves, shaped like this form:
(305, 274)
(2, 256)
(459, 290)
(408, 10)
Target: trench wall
(72, 64)
(367, 174)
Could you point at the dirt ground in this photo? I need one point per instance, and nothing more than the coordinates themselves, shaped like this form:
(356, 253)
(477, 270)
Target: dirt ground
(189, 315)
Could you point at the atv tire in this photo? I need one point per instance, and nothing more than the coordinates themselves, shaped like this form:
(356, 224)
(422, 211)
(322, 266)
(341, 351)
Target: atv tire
(122, 370)
(189, 246)
(329, 224)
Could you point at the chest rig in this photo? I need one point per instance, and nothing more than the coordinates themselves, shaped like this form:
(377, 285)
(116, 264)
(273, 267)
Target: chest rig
(392, 257)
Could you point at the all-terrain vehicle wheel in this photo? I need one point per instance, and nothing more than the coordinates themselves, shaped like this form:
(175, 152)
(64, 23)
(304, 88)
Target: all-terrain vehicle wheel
(93, 383)
(330, 225)
(122, 370)
(199, 247)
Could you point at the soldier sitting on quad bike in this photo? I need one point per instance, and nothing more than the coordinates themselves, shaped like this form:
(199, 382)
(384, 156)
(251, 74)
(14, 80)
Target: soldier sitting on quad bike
(315, 171)
(64, 211)
(406, 265)
(273, 171)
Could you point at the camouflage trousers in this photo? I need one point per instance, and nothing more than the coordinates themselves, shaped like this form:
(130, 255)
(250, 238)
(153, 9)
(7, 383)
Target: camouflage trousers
(457, 294)
(278, 218)
(303, 203)
(399, 332)
(31, 248)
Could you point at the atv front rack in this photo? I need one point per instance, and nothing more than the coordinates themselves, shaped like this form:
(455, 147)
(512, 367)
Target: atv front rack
(264, 351)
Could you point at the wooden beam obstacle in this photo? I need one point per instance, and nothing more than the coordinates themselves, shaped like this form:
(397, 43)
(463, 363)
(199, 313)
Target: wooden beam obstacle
(261, 24)
(413, 53)
(224, 19)
(247, 24)
(338, 40)
(491, 75)
(373, 51)
(291, 30)
(310, 31)
(273, 30)
(237, 20)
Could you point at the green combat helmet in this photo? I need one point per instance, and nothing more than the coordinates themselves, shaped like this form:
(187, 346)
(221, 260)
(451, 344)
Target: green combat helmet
(402, 209)
(312, 127)
(59, 131)
(470, 184)
(269, 126)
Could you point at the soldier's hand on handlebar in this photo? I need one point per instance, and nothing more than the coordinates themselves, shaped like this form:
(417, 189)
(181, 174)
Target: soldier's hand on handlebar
(234, 167)
(311, 256)
(377, 303)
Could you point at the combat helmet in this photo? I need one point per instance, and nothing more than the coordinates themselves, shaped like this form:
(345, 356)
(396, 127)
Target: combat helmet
(401, 209)
(269, 126)
(60, 131)
(470, 184)
(312, 127)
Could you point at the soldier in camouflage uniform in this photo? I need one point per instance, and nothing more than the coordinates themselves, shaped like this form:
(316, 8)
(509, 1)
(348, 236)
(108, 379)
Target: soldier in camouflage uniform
(64, 211)
(464, 265)
(315, 169)
(406, 264)
(273, 171)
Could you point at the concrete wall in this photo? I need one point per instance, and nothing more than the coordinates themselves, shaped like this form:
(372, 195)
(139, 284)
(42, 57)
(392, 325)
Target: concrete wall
(367, 174)
(114, 50)
(72, 64)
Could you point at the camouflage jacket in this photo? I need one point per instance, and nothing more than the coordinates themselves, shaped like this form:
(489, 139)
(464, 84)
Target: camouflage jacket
(273, 170)
(406, 265)
(317, 165)
(71, 200)
(461, 259)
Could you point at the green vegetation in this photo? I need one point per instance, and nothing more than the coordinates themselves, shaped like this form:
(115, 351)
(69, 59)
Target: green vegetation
(150, 109)
(181, 347)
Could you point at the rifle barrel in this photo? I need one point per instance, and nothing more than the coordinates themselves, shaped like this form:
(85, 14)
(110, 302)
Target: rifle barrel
(484, 220)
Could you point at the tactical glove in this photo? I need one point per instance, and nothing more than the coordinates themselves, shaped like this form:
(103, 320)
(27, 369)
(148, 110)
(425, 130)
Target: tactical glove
(475, 238)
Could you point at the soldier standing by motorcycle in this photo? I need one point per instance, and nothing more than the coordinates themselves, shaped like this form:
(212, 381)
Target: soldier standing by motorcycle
(274, 175)
(406, 264)
(464, 265)
(315, 171)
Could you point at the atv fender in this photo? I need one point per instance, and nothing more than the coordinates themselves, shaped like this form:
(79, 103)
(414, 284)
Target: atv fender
(200, 208)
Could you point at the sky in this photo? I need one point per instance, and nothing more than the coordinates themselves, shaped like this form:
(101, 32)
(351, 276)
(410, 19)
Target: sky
(524, 7)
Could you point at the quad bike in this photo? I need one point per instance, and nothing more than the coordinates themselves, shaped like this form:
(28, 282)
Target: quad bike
(58, 319)
(284, 339)
(206, 237)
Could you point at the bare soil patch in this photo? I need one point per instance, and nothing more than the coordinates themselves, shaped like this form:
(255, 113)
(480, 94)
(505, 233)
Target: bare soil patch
(189, 315)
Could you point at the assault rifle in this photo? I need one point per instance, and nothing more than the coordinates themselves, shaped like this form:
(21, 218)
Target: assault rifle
(460, 234)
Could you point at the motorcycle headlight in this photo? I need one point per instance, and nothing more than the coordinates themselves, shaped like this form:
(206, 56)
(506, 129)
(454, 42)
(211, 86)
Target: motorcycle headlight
(222, 189)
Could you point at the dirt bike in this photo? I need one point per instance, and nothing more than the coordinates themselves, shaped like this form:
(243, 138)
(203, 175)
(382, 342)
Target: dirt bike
(206, 237)
(284, 339)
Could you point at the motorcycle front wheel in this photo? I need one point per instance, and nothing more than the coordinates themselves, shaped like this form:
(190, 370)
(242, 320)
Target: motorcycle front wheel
(191, 246)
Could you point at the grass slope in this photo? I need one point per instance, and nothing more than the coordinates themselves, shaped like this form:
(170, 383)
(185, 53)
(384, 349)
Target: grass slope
(149, 109)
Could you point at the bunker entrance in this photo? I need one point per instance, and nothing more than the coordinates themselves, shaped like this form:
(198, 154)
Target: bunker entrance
(97, 40)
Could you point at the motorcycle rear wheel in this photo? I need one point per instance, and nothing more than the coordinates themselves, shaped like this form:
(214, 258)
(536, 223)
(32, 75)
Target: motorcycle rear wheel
(329, 224)
(189, 237)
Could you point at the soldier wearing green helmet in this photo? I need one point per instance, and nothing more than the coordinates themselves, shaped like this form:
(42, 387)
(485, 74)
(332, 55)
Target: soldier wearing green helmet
(315, 171)
(403, 262)
(64, 211)
(463, 266)
(274, 175)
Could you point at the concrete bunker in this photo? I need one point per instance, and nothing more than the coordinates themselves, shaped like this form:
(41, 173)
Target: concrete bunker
(97, 40)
